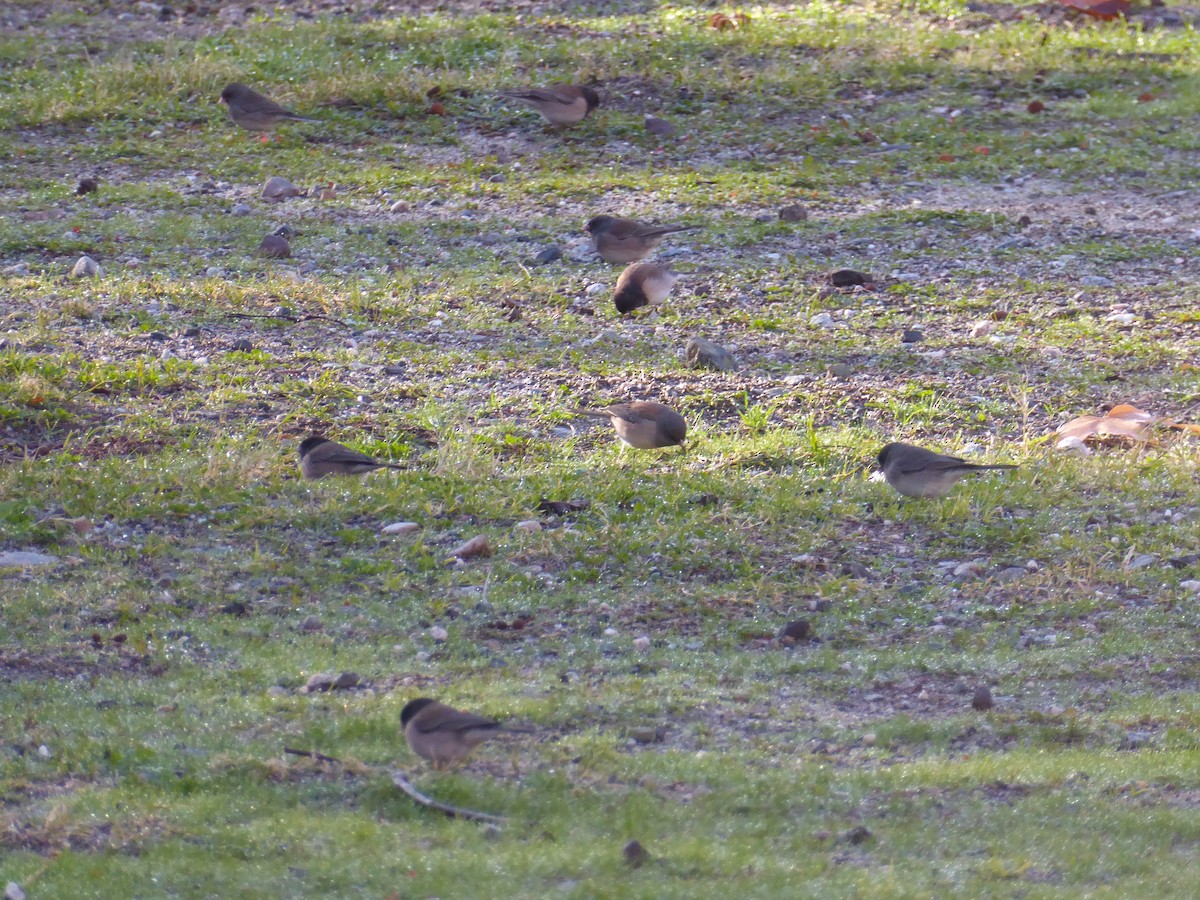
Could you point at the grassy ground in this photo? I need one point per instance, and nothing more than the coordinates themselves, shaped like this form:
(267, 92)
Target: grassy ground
(149, 419)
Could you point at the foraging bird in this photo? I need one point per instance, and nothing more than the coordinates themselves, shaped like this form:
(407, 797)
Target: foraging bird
(442, 734)
(320, 456)
(627, 240)
(253, 111)
(559, 104)
(643, 284)
(643, 424)
(916, 472)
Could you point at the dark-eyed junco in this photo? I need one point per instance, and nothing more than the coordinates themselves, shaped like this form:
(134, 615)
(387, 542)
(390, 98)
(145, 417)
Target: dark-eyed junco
(627, 240)
(643, 424)
(559, 104)
(320, 456)
(917, 472)
(253, 111)
(442, 734)
(643, 284)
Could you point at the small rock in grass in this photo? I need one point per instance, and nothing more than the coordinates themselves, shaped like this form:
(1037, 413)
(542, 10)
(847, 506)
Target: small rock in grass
(859, 834)
(982, 329)
(635, 854)
(12, 891)
(795, 212)
(1135, 740)
(641, 643)
(438, 633)
(848, 278)
(241, 209)
(1011, 573)
(25, 558)
(704, 354)
(797, 630)
(1074, 445)
(274, 246)
(1096, 281)
(823, 320)
(870, 739)
(660, 128)
(87, 185)
(983, 698)
(475, 547)
(312, 623)
(278, 188)
(401, 528)
(841, 370)
(86, 267)
(547, 255)
(321, 681)
(400, 206)
(911, 336)
(1141, 561)
(345, 681)
(647, 735)
(1191, 585)
(528, 525)
(242, 345)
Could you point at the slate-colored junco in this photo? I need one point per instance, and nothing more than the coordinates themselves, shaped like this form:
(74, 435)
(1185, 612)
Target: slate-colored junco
(627, 240)
(253, 111)
(643, 284)
(442, 734)
(917, 472)
(643, 424)
(559, 104)
(320, 456)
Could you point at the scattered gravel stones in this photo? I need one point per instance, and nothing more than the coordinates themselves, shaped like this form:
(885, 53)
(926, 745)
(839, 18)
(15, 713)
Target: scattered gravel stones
(704, 354)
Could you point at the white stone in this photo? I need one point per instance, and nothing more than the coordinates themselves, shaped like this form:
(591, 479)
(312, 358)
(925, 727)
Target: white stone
(401, 528)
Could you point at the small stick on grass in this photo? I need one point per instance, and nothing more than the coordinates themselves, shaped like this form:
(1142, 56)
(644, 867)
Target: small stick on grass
(400, 780)
(455, 812)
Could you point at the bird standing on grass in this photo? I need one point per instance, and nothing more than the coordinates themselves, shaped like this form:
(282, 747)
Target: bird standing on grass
(917, 472)
(643, 284)
(254, 112)
(444, 735)
(643, 424)
(627, 240)
(320, 456)
(559, 104)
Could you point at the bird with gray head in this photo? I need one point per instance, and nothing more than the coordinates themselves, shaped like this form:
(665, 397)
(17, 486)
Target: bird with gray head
(320, 456)
(628, 240)
(643, 424)
(917, 472)
(643, 284)
(254, 112)
(445, 735)
(559, 104)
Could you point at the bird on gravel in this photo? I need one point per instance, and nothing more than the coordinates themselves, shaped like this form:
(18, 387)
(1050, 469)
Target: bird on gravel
(917, 472)
(627, 240)
(253, 111)
(559, 104)
(643, 424)
(643, 284)
(320, 456)
(445, 735)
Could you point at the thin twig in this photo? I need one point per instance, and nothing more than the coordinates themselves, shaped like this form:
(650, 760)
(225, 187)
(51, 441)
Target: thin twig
(311, 754)
(289, 318)
(400, 781)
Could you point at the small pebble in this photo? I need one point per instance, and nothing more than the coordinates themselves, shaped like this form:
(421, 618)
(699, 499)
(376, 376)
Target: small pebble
(401, 528)
(659, 127)
(438, 633)
(982, 700)
(793, 213)
(278, 188)
(528, 525)
(634, 854)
